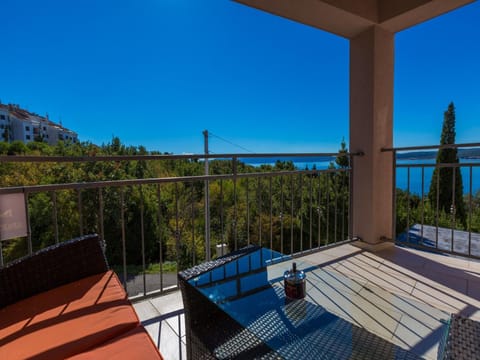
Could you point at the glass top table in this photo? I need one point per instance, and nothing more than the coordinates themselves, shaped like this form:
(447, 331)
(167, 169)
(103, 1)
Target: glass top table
(340, 318)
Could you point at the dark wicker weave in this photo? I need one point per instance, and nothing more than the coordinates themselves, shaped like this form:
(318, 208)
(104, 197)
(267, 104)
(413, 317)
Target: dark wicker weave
(463, 339)
(210, 332)
(51, 267)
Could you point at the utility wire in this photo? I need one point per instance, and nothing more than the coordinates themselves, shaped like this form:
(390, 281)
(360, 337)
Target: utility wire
(230, 142)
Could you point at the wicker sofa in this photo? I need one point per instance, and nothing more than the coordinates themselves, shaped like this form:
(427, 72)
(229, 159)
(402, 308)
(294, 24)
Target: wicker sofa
(64, 303)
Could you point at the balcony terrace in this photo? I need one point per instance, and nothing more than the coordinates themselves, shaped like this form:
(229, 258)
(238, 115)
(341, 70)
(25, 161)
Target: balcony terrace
(386, 266)
(400, 294)
(422, 287)
(443, 284)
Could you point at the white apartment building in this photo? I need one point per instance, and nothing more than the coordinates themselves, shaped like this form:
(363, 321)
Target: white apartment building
(20, 124)
(4, 122)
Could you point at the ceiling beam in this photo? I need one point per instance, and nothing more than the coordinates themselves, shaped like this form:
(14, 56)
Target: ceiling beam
(348, 18)
(398, 15)
(319, 14)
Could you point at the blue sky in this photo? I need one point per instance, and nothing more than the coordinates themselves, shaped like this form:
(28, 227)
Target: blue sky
(158, 72)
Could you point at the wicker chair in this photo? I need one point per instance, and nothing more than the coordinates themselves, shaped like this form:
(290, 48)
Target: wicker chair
(63, 302)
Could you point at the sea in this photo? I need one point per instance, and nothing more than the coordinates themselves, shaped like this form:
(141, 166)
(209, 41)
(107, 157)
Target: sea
(402, 179)
(415, 181)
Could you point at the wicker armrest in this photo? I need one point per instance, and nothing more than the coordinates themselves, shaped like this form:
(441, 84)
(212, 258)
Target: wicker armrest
(51, 267)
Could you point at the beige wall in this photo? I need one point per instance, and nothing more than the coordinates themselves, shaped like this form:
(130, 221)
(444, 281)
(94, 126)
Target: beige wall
(371, 109)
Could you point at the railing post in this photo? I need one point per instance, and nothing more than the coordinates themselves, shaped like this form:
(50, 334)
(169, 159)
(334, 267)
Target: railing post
(311, 212)
(207, 202)
(177, 228)
(55, 215)
(142, 238)
(423, 203)
(1, 255)
(222, 222)
(160, 242)
(80, 211)
(470, 215)
(394, 195)
(350, 197)
(335, 215)
(248, 210)
(453, 209)
(281, 214)
(271, 211)
(235, 210)
(192, 206)
(319, 209)
(29, 230)
(101, 220)
(259, 211)
(291, 214)
(408, 204)
(437, 205)
(300, 212)
(124, 251)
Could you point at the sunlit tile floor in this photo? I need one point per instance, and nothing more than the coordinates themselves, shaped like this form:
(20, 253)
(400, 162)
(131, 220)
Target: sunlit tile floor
(402, 295)
(164, 320)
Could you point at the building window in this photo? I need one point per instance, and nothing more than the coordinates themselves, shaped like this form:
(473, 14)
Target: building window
(27, 128)
(44, 128)
(2, 117)
(27, 137)
(2, 126)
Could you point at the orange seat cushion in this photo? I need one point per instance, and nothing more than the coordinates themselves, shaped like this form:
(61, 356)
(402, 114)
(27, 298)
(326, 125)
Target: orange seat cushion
(66, 320)
(135, 344)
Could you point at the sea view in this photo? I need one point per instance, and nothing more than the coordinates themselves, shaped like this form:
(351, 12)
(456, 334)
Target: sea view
(402, 173)
(240, 179)
(416, 175)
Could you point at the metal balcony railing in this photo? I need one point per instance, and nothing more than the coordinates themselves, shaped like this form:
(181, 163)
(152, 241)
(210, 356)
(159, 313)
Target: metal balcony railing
(436, 206)
(155, 226)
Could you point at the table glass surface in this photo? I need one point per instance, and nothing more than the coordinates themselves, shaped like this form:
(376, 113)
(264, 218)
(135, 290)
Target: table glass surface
(340, 318)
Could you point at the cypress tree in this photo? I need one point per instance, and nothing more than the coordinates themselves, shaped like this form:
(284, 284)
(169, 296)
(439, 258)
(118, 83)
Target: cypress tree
(446, 197)
(342, 160)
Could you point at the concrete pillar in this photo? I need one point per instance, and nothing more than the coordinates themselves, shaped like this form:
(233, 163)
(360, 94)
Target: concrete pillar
(371, 129)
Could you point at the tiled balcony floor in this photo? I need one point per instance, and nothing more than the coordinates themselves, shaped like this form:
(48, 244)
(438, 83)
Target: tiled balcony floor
(164, 320)
(383, 284)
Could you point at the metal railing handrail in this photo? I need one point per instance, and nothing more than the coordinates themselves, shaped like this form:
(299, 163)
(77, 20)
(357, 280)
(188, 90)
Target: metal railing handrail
(329, 212)
(439, 165)
(57, 158)
(430, 163)
(430, 147)
(133, 182)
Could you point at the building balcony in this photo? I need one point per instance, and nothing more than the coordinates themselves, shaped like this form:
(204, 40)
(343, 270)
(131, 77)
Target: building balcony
(402, 291)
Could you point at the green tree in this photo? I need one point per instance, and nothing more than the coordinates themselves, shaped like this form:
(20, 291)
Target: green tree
(4, 147)
(342, 160)
(17, 148)
(447, 200)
